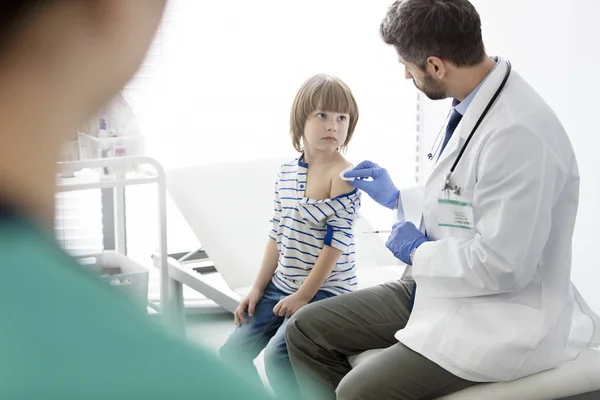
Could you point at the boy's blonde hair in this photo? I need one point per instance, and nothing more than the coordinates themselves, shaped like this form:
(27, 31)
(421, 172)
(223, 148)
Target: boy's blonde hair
(327, 93)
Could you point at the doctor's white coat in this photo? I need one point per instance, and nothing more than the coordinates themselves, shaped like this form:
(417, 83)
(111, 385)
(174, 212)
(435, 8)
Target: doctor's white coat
(496, 303)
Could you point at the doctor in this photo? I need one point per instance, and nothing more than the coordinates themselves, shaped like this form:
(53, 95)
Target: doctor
(491, 255)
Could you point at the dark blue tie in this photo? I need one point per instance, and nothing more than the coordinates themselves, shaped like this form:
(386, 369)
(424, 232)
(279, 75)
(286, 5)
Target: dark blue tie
(453, 121)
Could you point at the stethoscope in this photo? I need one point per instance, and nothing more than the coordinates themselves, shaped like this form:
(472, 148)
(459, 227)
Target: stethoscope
(447, 184)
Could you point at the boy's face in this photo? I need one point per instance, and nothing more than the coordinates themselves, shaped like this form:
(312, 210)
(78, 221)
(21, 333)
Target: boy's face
(325, 130)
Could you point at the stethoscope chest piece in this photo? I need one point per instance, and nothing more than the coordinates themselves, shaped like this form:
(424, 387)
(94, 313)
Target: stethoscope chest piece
(448, 185)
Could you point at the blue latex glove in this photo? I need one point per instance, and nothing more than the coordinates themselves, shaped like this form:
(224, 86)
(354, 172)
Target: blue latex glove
(380, 188)
(405, 237)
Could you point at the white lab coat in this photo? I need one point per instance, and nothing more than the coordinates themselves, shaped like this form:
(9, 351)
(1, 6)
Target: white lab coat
(496, 303)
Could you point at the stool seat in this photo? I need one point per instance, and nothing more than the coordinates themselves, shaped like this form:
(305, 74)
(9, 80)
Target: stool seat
(572, 378)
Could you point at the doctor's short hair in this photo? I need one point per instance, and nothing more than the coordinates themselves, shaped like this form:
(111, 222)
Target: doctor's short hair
(327, 93)
(448, 29)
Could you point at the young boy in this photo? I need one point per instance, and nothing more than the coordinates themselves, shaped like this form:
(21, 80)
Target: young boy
(310, 253)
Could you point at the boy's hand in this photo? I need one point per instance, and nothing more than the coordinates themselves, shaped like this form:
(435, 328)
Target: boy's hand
(289, 305)
(248, 304)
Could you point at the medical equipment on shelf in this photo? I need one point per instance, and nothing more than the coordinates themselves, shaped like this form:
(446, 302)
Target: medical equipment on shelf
(112, 132)
(120, 271)
(152, 173)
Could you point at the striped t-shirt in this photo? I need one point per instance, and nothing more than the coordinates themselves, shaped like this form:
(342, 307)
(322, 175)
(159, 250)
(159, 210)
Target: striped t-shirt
(302, 226)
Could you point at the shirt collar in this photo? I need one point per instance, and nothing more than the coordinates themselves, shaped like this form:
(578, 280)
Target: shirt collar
(301, 162)
(461, 107)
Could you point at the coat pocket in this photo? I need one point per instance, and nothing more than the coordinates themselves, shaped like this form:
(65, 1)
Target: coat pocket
(491, 339)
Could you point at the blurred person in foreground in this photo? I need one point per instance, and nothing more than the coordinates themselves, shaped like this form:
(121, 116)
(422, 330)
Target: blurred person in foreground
(65, 334)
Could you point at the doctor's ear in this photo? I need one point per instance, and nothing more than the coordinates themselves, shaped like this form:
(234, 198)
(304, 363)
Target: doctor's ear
(436, 66)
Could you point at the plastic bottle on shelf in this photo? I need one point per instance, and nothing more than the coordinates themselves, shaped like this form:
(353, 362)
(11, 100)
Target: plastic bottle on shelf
(102, 131)
(104, 142)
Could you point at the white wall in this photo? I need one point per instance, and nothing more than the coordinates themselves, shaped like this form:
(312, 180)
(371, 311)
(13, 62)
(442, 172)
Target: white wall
(554, 45)
(226, 74)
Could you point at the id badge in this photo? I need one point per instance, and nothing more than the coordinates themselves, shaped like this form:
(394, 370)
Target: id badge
(455, 214)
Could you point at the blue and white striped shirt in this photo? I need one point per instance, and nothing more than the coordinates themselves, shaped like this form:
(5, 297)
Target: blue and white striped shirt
(302, 226)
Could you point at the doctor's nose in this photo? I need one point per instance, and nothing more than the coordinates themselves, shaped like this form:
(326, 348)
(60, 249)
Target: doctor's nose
(407, 74)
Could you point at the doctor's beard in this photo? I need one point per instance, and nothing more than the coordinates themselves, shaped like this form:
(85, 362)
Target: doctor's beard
(431, 88)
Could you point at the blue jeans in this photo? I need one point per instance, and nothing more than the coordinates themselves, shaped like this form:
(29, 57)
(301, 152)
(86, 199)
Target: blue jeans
(265, 330)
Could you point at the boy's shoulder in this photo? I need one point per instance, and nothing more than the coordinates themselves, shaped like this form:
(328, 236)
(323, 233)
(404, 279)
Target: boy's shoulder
(340, 164)
(339, 186)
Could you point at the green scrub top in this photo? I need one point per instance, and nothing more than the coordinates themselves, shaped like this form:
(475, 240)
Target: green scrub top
(64, 334)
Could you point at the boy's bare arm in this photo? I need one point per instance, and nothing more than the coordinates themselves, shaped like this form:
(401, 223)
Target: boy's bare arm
(338, 185)
(268, 266)
(323, 267)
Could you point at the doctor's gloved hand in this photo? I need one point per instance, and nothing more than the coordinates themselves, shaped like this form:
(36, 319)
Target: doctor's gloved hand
(380, 188)
(405, 237)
